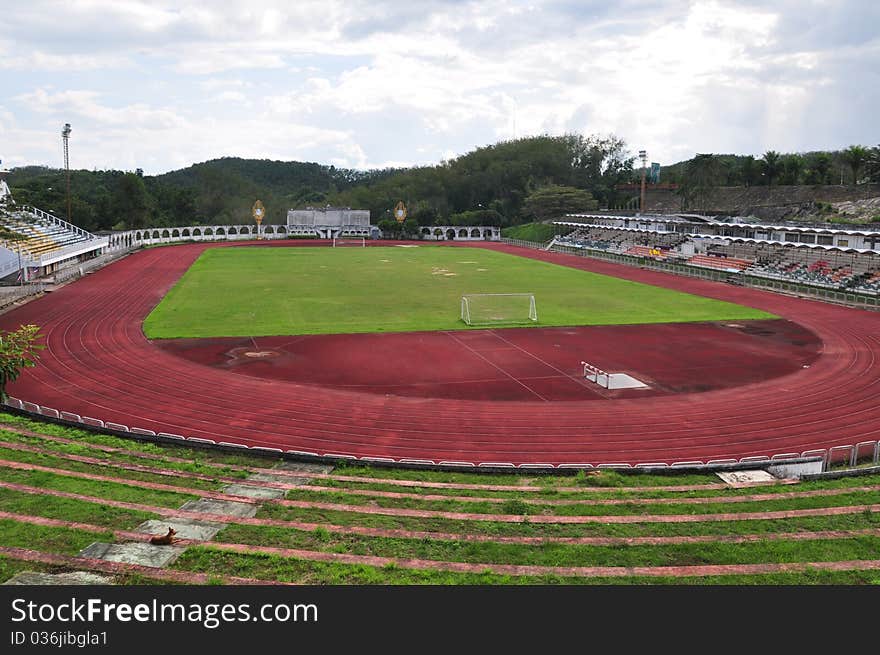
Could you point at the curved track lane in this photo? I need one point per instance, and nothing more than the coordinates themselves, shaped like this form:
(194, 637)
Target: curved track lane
(98, 363)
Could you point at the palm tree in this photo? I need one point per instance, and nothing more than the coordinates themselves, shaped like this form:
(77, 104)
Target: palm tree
(701, 174)
(856, 157)
(872, 166)
(792, 169)
(771, 165)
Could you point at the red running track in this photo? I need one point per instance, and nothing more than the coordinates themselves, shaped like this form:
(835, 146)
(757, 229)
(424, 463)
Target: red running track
(98, 363)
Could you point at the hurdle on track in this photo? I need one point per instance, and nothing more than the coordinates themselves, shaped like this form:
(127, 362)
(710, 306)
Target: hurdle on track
(596, 374)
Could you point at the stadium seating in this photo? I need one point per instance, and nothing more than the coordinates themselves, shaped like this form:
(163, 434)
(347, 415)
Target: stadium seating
(42, 235)
(720, 262)
(645, 251)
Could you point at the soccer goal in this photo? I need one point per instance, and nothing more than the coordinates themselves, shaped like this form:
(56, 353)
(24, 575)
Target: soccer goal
(498, 309)
(347, 242)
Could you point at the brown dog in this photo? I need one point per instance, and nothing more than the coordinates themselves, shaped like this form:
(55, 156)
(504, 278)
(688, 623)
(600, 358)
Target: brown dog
(164, 539)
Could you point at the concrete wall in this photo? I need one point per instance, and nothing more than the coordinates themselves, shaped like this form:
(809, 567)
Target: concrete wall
(157, 235)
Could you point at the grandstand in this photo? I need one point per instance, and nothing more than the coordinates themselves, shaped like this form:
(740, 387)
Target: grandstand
(330, 222)
(38, 243)
(811, 256)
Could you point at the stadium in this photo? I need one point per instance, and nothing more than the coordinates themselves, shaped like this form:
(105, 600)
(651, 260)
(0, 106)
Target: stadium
(355, 414)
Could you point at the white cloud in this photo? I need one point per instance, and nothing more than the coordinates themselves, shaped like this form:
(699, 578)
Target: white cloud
(371, 82)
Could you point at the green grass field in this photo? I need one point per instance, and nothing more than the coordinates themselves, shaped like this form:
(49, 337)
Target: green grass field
(278, 291)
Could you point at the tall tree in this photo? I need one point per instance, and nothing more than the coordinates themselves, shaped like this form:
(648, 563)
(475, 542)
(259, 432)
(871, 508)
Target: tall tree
(131, 202)
(855, 157)
(872, 165)
(554, 201)
(818, 168)
(701, 175)
(792, 169)
(599, 164)
(771, 166)
(750, 172)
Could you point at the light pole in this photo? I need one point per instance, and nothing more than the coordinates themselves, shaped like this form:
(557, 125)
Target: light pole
(65, 136)
(643, 155)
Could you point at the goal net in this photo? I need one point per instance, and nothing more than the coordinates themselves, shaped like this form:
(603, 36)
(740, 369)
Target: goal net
(498, 309)
(343, 242)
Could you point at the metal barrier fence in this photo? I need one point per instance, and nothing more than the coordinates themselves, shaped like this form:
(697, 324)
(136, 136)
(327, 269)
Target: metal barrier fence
(11, 295)
(79, 269)
(524, 244)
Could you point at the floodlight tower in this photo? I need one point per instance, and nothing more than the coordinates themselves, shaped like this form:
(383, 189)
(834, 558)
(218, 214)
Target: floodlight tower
(65, 135)
(643, 155)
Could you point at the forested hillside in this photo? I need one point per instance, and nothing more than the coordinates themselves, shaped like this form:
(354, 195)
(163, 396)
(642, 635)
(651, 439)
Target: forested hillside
(489, 185)
(508, 183)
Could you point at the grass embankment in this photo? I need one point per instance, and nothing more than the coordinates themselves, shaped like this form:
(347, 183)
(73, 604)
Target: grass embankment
(446, 541)
(535, 232)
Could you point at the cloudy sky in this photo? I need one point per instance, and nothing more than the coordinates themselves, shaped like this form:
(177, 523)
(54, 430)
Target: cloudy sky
(160, 85)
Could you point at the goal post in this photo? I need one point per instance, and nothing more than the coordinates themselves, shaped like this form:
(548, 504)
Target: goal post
(355, 242)
(499, 309)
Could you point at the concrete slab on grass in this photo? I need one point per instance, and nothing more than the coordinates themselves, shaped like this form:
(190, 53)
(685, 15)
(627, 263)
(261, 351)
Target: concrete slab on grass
(745, 477)
(304, 467)
(259, 493)
(221, 507)
(186, 528)
(133, 553)
(70, 578)
(286, 479)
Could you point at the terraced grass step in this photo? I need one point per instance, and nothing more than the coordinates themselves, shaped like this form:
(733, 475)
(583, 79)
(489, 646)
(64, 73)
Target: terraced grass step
(704, 508)
(594, 481)
(856, 543)
(203, 532)
(118, 568)
(270, 482)
(850, 518)
(23, 466)
(113, 493)
(275, 480)
(52, 445)
(689, 571)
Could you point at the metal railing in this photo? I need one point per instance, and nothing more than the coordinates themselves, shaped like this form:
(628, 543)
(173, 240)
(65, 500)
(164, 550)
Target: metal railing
(46, 216)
